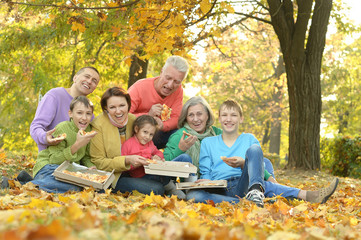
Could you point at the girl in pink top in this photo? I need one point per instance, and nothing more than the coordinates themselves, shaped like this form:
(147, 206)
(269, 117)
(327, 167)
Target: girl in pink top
(141, 144)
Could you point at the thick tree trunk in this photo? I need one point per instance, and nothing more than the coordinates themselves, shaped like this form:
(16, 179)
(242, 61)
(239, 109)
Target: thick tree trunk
(303, 68)
(138, 70)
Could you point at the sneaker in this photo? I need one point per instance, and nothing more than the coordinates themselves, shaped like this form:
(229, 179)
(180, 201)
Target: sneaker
(4, 182)
(24, 177)
(256, 196)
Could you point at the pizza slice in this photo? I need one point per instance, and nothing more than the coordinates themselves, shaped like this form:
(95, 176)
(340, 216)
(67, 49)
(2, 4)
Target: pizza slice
(187, 134)
(84, 133)
(165, 114)
(60, 137)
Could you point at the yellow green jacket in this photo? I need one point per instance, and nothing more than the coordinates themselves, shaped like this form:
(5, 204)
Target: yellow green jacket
(105, 147)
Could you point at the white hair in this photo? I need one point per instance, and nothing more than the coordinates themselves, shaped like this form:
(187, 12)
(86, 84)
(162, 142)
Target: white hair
(178, 63)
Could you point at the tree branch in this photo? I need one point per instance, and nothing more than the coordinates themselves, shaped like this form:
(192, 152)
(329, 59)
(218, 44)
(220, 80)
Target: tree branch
(72, 6)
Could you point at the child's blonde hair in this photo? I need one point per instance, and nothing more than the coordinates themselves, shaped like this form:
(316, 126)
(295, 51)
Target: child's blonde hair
(231, 104)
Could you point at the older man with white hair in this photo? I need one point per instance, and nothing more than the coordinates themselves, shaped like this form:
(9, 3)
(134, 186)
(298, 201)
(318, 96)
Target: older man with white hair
(152, 95)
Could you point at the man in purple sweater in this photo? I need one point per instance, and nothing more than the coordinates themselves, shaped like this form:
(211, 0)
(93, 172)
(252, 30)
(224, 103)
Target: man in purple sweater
(54, 106)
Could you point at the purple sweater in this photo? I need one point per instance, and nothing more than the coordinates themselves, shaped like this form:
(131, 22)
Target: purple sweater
(52, 109)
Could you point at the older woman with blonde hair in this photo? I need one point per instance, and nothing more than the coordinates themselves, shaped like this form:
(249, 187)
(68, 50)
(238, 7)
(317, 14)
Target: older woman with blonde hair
(195, 124)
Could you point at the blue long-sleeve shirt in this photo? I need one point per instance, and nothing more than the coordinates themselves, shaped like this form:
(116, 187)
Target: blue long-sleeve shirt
(211, 165)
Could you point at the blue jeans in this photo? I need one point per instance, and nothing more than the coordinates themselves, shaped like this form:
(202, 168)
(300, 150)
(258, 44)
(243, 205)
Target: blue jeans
(160, 138)
(47, 182)
(252, 173)
(146, 184)
(183, 158)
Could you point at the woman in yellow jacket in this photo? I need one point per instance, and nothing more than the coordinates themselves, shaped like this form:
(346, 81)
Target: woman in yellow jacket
(114, 126)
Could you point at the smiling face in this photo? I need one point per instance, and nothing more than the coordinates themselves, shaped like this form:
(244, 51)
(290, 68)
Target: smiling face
(117, 108)
(230, 119)
(168, 82)
(145, 133)
(197, 118)
(86, 81)
(81, 115)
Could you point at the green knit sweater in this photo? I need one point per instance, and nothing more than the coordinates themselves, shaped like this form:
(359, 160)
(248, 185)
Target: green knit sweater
(172, 150)
(62, 152)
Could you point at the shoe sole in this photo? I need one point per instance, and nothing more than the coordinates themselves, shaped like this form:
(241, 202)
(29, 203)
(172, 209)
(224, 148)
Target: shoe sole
(333, 190)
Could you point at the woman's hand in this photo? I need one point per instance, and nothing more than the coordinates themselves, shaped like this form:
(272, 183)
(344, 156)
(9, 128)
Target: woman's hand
(185, 144)
(136, 161)
(81, 141)
(235, 162)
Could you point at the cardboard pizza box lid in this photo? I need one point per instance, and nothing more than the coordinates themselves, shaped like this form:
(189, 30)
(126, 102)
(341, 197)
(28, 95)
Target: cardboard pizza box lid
(73, 167)
(170, 168)
(203, 184)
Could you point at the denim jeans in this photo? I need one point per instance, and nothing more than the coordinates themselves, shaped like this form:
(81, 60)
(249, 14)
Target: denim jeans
(47, 182)
(252, 173)
(146, 184)
(160, 138)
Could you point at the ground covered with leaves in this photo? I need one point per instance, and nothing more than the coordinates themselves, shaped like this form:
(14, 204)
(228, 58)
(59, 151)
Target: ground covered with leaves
(27, 213)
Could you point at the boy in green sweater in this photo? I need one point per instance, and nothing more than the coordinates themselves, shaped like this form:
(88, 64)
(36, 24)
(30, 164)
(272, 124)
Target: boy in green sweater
(73, 148)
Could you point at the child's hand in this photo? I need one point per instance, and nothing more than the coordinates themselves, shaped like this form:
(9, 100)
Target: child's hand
(81, 140)
(157, 158)
(136, 161)
(234, 161)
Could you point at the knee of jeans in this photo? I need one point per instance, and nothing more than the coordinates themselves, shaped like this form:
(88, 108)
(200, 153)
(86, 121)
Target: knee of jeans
(254, 149)
(186, 158)
(197, 196)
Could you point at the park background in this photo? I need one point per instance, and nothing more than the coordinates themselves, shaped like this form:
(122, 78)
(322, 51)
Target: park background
(307, 119)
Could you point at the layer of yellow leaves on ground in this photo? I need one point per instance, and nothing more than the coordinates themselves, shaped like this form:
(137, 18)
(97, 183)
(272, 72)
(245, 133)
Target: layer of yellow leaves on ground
(28, 213)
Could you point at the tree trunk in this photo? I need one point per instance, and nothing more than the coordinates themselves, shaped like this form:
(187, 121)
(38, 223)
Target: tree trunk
(276, 126)
(303, 68)
(138, 70)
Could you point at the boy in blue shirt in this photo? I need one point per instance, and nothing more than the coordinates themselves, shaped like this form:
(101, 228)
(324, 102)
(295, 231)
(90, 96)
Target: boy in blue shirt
(238, 158)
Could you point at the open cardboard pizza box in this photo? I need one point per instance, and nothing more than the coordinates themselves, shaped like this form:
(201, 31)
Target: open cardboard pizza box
(170, 168)
(82, 171)
(203, 184)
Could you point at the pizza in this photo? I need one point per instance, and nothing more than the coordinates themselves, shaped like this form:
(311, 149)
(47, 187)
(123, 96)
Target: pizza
(165, 114)
(88, 176)
(151, 161)
(84, 133)
(225, 159)
(60, 137)
(187, 134)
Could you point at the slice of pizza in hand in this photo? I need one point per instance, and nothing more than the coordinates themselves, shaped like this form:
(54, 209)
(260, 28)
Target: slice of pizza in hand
(60, 137)
(84, 133)
(165, 114)
(152, 161)
(187, 134)
(225, 159)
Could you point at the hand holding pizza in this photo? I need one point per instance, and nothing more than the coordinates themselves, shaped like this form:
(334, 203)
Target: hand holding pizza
(82, 139)
(186, 143)
(52, 141)
(234, 161)
(156, 110)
